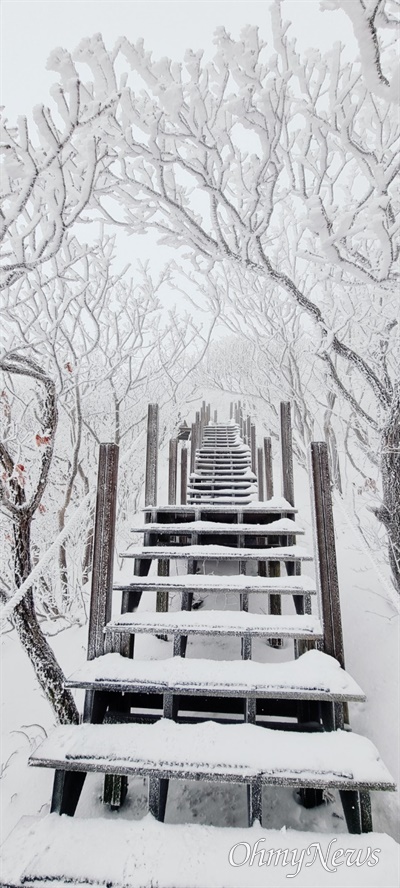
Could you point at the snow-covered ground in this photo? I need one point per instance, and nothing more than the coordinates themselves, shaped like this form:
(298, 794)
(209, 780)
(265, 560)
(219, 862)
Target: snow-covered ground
(371, 638)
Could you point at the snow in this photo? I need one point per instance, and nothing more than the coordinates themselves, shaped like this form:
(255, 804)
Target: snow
(275, 504)
(145, 853)
(216, 582)
(313, 672)
(218, 622)
(281, 525)
(277, 553)
(241, 751)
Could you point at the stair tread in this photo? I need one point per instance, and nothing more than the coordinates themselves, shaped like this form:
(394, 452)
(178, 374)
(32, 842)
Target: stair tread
(296, 585)
(314, 675)
(76, 851)
(223, 553)
(218, 622)
(238, 753)
(271, 506)
(281, 526)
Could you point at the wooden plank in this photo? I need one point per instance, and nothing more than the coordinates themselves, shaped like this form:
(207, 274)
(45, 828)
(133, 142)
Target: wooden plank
(269, 477)
(237, 753)
(193, 446)
(184, 473)
(103, 548)
(282, 527)
(287, 452)
(253, 448)
(150, 494)
(327, 572)
(301, 585)
(314, 676)
(219, 553)
(218, 623)
(172, 470)
(260, 473)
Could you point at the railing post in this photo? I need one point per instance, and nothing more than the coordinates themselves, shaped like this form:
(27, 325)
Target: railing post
(172, 470)
(287, 453)
(253, 447)
(248, 431)
(184, 462)
(324, 534)
(103, 548)
(269, 477)
(193, 446)
(150, 493)
(260, 473)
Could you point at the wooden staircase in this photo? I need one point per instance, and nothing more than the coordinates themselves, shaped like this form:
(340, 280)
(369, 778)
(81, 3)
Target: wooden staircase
(237, 720)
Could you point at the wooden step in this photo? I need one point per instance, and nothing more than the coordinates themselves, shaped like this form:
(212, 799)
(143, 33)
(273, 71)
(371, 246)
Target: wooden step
(206, 483)
(220, 553)
(301, 585)
(217, 623)
(276, 505)
(274, 528)
(313, 676)
(210, 751)
(223, 474)
(222, 496)
(77, 852)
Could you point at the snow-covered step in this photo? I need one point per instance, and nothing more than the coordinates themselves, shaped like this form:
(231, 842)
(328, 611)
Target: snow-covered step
(238, 447)
(236, 461)
(301, 585)
(280, 526)
(216, 490)
(239, 753)
(275, 505)
(216, 622)
(313, 676)
(221, 553)
(209, 454)
(205, 483)
(202, 498)
(75, 852)
(223, 474)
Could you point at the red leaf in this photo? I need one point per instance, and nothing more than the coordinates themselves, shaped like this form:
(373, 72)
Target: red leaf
(41, 439)
(68, 366)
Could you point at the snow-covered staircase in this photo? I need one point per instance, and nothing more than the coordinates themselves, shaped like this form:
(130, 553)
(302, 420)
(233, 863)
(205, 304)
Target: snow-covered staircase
(206, 719)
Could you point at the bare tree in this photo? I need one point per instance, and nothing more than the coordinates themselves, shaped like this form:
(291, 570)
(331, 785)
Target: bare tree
(254, 153)
(22, 488)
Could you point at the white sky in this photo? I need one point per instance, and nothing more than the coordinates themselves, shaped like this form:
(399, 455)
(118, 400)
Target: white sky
(30, 29)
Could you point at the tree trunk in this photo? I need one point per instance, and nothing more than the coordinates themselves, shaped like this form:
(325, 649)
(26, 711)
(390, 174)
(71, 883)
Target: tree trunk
(48, 672)
(389, 513)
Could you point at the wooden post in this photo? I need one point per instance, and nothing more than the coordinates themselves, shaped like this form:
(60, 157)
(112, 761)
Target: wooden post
(248, 431)
(326, 552)
(253, 445)
(287, 453)
(184, 462)
(269, 490)
(150, 494)
(193, 445)
(260, 473)
(103, 549)
(172, 470)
